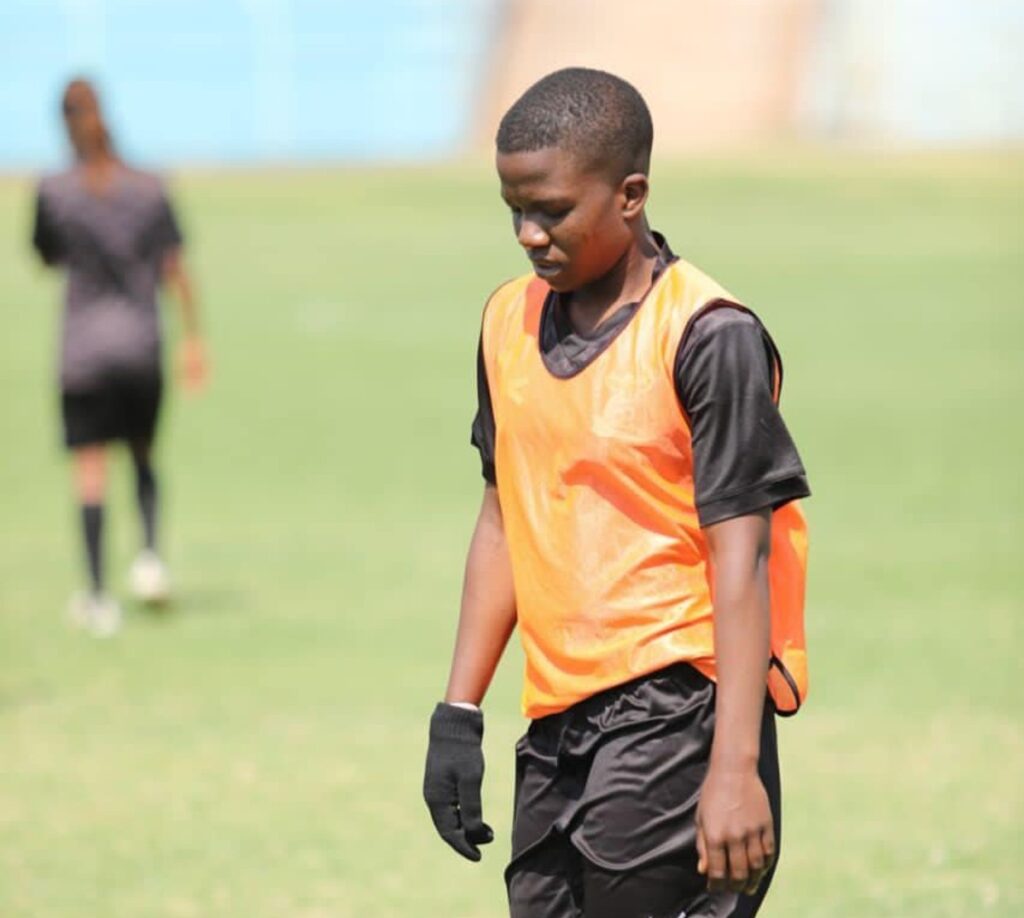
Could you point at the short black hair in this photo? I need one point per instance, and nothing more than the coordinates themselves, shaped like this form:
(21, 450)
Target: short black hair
(594, 114)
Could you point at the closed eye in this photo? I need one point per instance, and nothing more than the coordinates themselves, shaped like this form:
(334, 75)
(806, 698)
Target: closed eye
(556, 213)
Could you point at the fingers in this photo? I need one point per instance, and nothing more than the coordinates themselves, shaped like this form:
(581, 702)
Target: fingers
(768, 844)
(760, 858)
(747, 861)
(739, 872)
(195, 376)
(449, 827)
(459, 842)
(459, 818)
(712, 859)
(717, 865)
(757, 864)
(193, 368)
(483, 835)
(470, 813)
(735, 834)
(736, 865)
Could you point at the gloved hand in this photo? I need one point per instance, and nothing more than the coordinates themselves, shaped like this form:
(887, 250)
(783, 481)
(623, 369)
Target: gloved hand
(452, 779)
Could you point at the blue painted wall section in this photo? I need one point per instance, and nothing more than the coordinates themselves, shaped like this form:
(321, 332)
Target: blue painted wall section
(247, 80)
(251, 81)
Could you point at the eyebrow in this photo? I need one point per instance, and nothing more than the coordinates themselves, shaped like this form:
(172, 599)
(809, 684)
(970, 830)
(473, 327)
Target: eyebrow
(553, 201)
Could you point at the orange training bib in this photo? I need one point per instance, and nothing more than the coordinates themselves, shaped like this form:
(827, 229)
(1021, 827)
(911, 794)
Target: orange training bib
(595, 479)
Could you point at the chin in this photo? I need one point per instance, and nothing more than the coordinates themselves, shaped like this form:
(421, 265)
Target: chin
(559, 283)
(559, 287)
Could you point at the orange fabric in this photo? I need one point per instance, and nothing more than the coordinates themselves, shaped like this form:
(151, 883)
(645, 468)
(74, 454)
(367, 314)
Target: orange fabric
(595, 479)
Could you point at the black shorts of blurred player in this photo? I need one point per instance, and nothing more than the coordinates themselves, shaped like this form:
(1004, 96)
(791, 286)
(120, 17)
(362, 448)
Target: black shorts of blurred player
(122, 407)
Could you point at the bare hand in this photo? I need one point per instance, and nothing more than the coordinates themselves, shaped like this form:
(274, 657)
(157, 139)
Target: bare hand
(193, 364)
(735, 831)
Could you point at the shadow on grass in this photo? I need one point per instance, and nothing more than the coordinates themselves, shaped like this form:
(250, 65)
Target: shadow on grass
(204, 600)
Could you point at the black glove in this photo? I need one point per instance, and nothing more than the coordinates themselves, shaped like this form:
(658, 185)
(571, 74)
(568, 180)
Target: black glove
(452, 779)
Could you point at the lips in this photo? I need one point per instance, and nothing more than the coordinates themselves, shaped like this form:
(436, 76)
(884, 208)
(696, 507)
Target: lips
(545, 268)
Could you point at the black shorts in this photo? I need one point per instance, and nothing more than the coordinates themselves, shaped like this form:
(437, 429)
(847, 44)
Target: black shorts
(605, 801)
(122, 407)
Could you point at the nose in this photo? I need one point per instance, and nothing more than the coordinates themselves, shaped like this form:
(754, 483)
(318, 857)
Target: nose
(531, 235)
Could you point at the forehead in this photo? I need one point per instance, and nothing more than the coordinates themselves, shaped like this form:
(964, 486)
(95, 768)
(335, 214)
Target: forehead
(549, 170)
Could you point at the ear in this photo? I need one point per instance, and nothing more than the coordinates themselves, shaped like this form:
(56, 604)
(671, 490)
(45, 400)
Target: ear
(633, 192)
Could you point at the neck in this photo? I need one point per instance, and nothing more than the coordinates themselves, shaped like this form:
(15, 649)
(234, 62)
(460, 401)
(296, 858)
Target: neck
(626, 282)
(93, 147)
(98, 170)
(96, 156)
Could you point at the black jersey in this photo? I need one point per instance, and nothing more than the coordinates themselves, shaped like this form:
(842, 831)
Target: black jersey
(112, 246)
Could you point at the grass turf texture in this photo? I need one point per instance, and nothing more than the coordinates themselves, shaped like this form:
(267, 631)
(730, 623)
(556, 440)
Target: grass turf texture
(257, 751)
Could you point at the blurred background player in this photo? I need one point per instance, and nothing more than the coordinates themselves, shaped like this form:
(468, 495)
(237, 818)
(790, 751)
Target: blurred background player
(112, 230)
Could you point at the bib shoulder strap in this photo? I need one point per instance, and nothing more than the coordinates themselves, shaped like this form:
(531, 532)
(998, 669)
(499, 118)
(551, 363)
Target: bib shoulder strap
(515, 306)
(681, 293)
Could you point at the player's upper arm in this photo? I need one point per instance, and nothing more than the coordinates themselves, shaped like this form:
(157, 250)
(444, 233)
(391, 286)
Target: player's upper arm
(45, 236)
(744, 458)
(484, 429)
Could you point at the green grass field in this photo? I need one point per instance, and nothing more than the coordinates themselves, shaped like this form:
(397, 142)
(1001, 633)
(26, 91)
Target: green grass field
(257, 751)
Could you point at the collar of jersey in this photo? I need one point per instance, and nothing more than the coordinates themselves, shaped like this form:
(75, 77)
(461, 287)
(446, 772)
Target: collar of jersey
(565, 351)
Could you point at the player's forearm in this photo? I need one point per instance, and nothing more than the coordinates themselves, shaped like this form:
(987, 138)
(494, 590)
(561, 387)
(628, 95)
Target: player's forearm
(187, 303)
(740, 550)
(488, 613)
(176, 277)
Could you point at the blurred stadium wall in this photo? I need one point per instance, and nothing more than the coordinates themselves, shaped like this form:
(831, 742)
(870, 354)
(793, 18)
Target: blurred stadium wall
(734, 72)
(713, 73)
(251, 81)
(247, 80)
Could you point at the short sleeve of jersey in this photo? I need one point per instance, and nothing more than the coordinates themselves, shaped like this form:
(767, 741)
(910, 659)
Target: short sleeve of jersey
(45, 232)
(483, 424)
(165, 232)
(744, 458)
